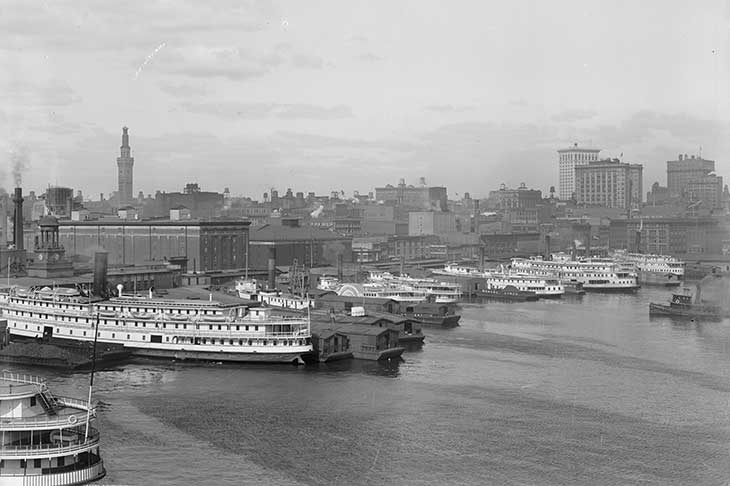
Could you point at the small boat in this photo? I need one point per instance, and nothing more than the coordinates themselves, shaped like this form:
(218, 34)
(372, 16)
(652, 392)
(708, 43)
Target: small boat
(510, 292)
(682, 305)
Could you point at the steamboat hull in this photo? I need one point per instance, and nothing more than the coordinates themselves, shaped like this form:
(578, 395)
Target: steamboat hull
(664, 310)
(512, 296)
(656, 278)
(193, 352)
(611, 289)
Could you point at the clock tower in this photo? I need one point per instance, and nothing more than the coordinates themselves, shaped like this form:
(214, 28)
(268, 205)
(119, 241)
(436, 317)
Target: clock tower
(50, 256)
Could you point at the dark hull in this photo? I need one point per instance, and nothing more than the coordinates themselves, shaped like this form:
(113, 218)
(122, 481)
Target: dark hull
(684, 313)
(515, 296)
(612, 290)
(659, 279)
(436, 321)
(291, 358)
(30, 352)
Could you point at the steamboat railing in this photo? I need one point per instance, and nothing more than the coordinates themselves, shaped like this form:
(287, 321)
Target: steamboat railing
(79, 476)
(10, 451)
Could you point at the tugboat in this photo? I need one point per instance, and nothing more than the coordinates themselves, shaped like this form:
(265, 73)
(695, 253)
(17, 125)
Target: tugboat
(46, 439)
(682, 305)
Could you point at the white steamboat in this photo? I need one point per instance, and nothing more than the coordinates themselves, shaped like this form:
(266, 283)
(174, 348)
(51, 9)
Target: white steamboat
(543, 287)
(47, 440)
(598, 275)
(160, 328)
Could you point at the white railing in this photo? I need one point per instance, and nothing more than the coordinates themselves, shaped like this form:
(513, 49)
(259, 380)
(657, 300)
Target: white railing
(25, 379)
(71, 477)
(46, 450)
(42, 423)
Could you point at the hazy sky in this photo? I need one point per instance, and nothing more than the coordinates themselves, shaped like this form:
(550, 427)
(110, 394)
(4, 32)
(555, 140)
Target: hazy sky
(319, 95)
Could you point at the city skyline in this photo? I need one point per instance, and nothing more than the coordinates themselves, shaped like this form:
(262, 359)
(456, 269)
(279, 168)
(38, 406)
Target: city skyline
(327, 96)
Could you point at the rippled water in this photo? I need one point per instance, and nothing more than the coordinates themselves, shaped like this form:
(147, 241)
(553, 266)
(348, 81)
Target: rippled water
(559, 392)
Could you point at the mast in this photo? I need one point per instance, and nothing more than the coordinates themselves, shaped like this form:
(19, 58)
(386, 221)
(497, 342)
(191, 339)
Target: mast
(91, 380)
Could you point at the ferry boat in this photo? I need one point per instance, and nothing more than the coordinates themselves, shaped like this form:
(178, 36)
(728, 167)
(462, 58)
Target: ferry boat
(455, 269)
(160, 328)
(543, 287)
(47, 440)
(431, 289)
(683, 305)
(599, 275)
(510, 292)
(654, 269)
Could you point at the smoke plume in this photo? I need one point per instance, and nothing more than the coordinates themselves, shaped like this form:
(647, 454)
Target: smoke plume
(716, 290)
(19, 163)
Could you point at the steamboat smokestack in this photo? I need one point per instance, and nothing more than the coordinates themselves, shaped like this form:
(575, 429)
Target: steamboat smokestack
(100, 259)
(272, 268)
(18, 219)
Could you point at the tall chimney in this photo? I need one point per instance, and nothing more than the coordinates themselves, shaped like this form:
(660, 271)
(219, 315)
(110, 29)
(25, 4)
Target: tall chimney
(339, 267)
(100, 259)
(18, 219)
(547, 247)
(272, 268)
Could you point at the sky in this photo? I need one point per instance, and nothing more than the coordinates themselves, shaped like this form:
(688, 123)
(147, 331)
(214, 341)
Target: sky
(351, 95)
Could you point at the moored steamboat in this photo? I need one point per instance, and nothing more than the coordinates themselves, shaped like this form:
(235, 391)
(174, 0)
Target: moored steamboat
(161, 328)
(47, 440)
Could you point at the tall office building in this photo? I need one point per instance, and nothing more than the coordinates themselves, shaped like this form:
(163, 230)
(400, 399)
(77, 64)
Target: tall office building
(568, 159)
(609, 183)
(125, 163)
(691, 179)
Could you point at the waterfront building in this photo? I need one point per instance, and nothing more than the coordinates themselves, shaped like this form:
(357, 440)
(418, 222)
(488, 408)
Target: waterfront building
(207, 245)
(568, 159)
(706, 190)
(609, 183)
(287, 243)
(686, 169)
(669, 235)
(125, 165)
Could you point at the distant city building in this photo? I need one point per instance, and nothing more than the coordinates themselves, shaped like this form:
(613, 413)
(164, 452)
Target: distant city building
(658, 195)
(420, 197)
(706, 190)
(684, 170)
(125, 164)
(520, 198)
(431, 223)
(59, 201)
(609, 183)
(202, 204)
(568, 160)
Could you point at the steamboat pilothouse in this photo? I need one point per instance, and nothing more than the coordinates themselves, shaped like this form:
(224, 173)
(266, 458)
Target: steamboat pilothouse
(218, 330)
(47, 440)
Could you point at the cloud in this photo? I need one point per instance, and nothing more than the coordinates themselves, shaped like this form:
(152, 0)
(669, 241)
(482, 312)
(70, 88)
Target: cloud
(369, 57)
(51, 93)
(307, 61)
(314, 112)
(571, 116)
(183, 90)
(448, 108)
(233, 110)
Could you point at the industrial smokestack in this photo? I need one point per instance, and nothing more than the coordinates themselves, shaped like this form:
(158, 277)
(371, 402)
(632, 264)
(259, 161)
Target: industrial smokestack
(18, 219)
(638, 242)
(100, 260)
(339, 267)
(547, 247)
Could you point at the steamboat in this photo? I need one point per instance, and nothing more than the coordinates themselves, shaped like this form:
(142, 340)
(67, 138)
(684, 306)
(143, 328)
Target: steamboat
(598, 275)
(159, 327)
(47, 440)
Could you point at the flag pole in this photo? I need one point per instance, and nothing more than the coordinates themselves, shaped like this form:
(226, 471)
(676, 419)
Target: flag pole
(91, 380)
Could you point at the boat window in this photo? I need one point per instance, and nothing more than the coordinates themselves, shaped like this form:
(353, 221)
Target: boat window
(113, 335)
(127, 336)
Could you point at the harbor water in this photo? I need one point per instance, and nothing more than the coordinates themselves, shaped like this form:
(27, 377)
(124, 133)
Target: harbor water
(557, 392)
